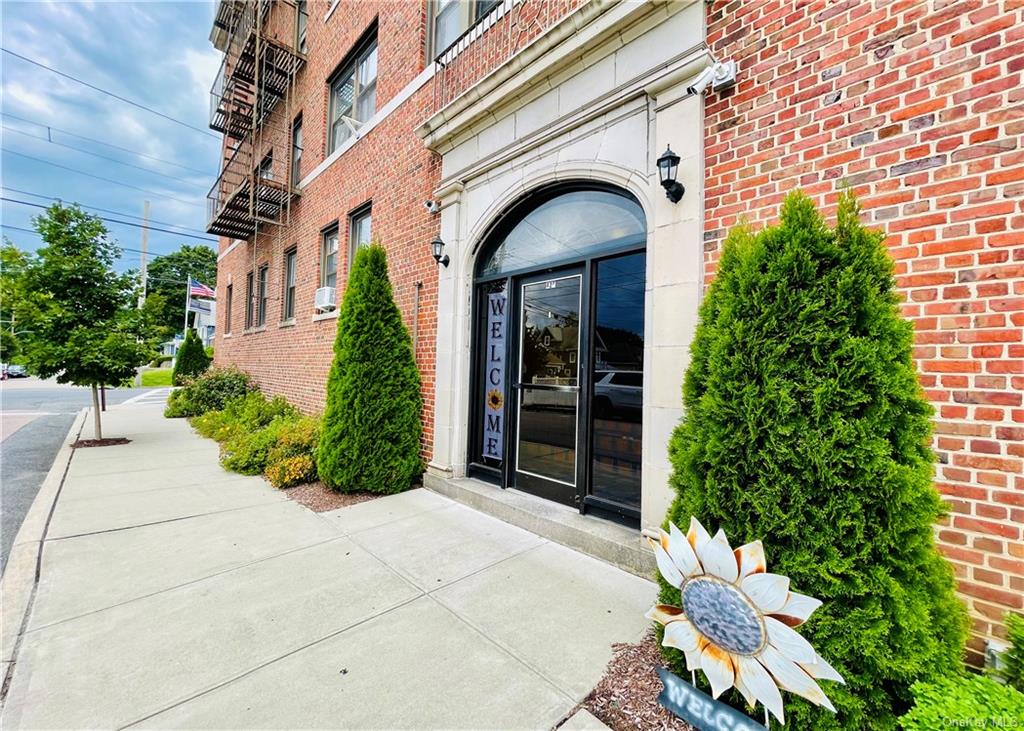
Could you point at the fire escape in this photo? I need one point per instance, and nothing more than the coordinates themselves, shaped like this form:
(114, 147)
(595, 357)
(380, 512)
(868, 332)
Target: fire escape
(256, 78)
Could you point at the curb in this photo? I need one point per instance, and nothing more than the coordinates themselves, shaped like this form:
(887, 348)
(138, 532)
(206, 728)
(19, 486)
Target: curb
(21, 575)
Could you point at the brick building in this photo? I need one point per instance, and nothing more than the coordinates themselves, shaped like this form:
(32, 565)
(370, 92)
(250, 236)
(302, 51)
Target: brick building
(553, 341)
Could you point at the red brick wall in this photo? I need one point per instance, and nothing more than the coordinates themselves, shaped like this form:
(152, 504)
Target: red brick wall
(389, 167)
(919, 107)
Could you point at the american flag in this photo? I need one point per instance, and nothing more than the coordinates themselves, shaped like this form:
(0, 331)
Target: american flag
(198, 289)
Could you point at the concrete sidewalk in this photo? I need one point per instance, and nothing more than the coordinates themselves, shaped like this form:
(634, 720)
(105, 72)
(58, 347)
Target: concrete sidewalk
(174, 594)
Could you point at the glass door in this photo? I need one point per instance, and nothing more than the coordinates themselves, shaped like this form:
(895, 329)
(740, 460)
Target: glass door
(548, 386)
(617, 388)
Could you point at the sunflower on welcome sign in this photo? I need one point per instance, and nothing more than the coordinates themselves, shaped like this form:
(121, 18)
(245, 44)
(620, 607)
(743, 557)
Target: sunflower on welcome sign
(736, 620)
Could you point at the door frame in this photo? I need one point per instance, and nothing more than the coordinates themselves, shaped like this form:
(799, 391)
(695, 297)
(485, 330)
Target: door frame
(502, 476)
(533, 483)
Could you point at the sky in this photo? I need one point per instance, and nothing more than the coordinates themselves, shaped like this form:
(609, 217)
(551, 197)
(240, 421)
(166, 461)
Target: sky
(157, 54)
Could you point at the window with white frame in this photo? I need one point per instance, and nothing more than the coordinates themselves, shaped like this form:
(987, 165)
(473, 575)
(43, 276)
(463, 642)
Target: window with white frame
(296, 151)
(353, 95)
(452, 18)
(329, 259)
(301, 21)
(288, 306)
(360, 231)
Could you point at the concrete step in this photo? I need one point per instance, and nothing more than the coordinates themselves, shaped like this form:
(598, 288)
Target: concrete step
(610, 542)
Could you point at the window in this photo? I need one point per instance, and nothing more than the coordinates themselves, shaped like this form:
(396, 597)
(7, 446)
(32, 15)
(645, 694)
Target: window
(301, 21)
(353, 94)
(329, 259)
(261, 312)
(266, 169)
(452, 18)
(250, 300)
(288, 307)
(296, 151)
(227, 310)
(360, 231)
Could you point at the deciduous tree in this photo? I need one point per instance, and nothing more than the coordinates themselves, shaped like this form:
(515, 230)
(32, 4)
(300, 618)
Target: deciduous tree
(85, 330)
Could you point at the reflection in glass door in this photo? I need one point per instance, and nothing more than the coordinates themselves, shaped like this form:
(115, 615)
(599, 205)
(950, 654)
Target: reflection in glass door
(617, 389)
(548, 386)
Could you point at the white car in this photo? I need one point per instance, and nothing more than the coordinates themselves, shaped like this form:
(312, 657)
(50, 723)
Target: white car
(618, 392)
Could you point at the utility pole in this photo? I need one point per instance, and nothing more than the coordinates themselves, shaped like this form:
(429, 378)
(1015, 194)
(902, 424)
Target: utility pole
(143, 248)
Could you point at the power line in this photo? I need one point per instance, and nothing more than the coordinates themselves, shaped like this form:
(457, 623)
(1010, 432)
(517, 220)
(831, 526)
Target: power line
(121, 248)
(110, 93)
(104, 157)
(111, 220)
(106, 180)
(104, 210)
(105, 144)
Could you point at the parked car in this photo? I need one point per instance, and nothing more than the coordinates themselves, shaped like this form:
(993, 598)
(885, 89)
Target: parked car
(16, 371)
(618, 393)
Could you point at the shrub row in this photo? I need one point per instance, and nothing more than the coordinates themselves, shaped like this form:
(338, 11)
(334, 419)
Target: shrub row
(261, 436)
(208, 392)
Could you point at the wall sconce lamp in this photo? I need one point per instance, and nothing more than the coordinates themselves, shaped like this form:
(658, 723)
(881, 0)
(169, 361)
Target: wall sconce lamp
(668, 168)
(439, 256)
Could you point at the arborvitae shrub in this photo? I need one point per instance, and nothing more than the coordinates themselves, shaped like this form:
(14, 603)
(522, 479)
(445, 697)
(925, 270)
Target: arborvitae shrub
(1013, 658)
(192, 359)
(805, 426)
(370, 438)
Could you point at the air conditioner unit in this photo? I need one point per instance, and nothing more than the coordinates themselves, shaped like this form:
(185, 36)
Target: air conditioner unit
(325, 299)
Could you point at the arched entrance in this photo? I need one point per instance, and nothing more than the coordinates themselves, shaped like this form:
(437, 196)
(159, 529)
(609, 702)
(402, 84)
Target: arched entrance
(558, 346)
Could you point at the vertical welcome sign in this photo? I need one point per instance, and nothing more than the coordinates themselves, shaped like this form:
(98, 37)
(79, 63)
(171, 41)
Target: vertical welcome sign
(494, 377)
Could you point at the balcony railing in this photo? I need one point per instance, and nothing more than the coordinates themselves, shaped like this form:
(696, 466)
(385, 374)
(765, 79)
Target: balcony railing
(244, 195)
(256, 71)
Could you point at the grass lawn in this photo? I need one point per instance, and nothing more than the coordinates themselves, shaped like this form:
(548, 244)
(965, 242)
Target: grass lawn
(157, 377)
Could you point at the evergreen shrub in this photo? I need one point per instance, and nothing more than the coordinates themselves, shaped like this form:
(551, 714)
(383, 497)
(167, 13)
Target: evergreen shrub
(371, 430)
(192, 359)
(1013, 659)
(968, 701)
(208, 392)
(805, 426)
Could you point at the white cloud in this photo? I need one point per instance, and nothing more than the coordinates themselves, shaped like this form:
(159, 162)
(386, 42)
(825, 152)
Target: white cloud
(25, 98)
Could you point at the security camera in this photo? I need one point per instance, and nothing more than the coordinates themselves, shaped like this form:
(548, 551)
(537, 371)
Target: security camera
(432, 206)
(720, 75)
(702, 82)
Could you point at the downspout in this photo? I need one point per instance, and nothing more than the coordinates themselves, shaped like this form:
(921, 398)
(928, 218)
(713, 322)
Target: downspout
(416, 320)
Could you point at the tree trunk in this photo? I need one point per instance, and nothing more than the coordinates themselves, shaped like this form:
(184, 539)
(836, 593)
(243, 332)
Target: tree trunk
(96, 412)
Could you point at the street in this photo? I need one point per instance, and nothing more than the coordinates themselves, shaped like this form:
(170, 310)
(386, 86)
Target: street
(34, 417)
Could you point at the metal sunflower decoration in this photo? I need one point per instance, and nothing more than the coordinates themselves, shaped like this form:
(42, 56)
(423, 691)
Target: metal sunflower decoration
(495, 399)
(736, 620)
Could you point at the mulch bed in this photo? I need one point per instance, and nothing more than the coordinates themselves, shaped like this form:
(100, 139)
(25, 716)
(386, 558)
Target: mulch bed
(111, 442)
(319, 498)
(627, 696)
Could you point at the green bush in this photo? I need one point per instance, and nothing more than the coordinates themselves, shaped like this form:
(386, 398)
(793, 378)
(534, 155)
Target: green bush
(191, 361)
(246, 413)
(1013, 659)
(160, 360)
(805, 426)
(371, 430)
(208, 392)
(292, 459)
(246, 452)
(972, 701)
